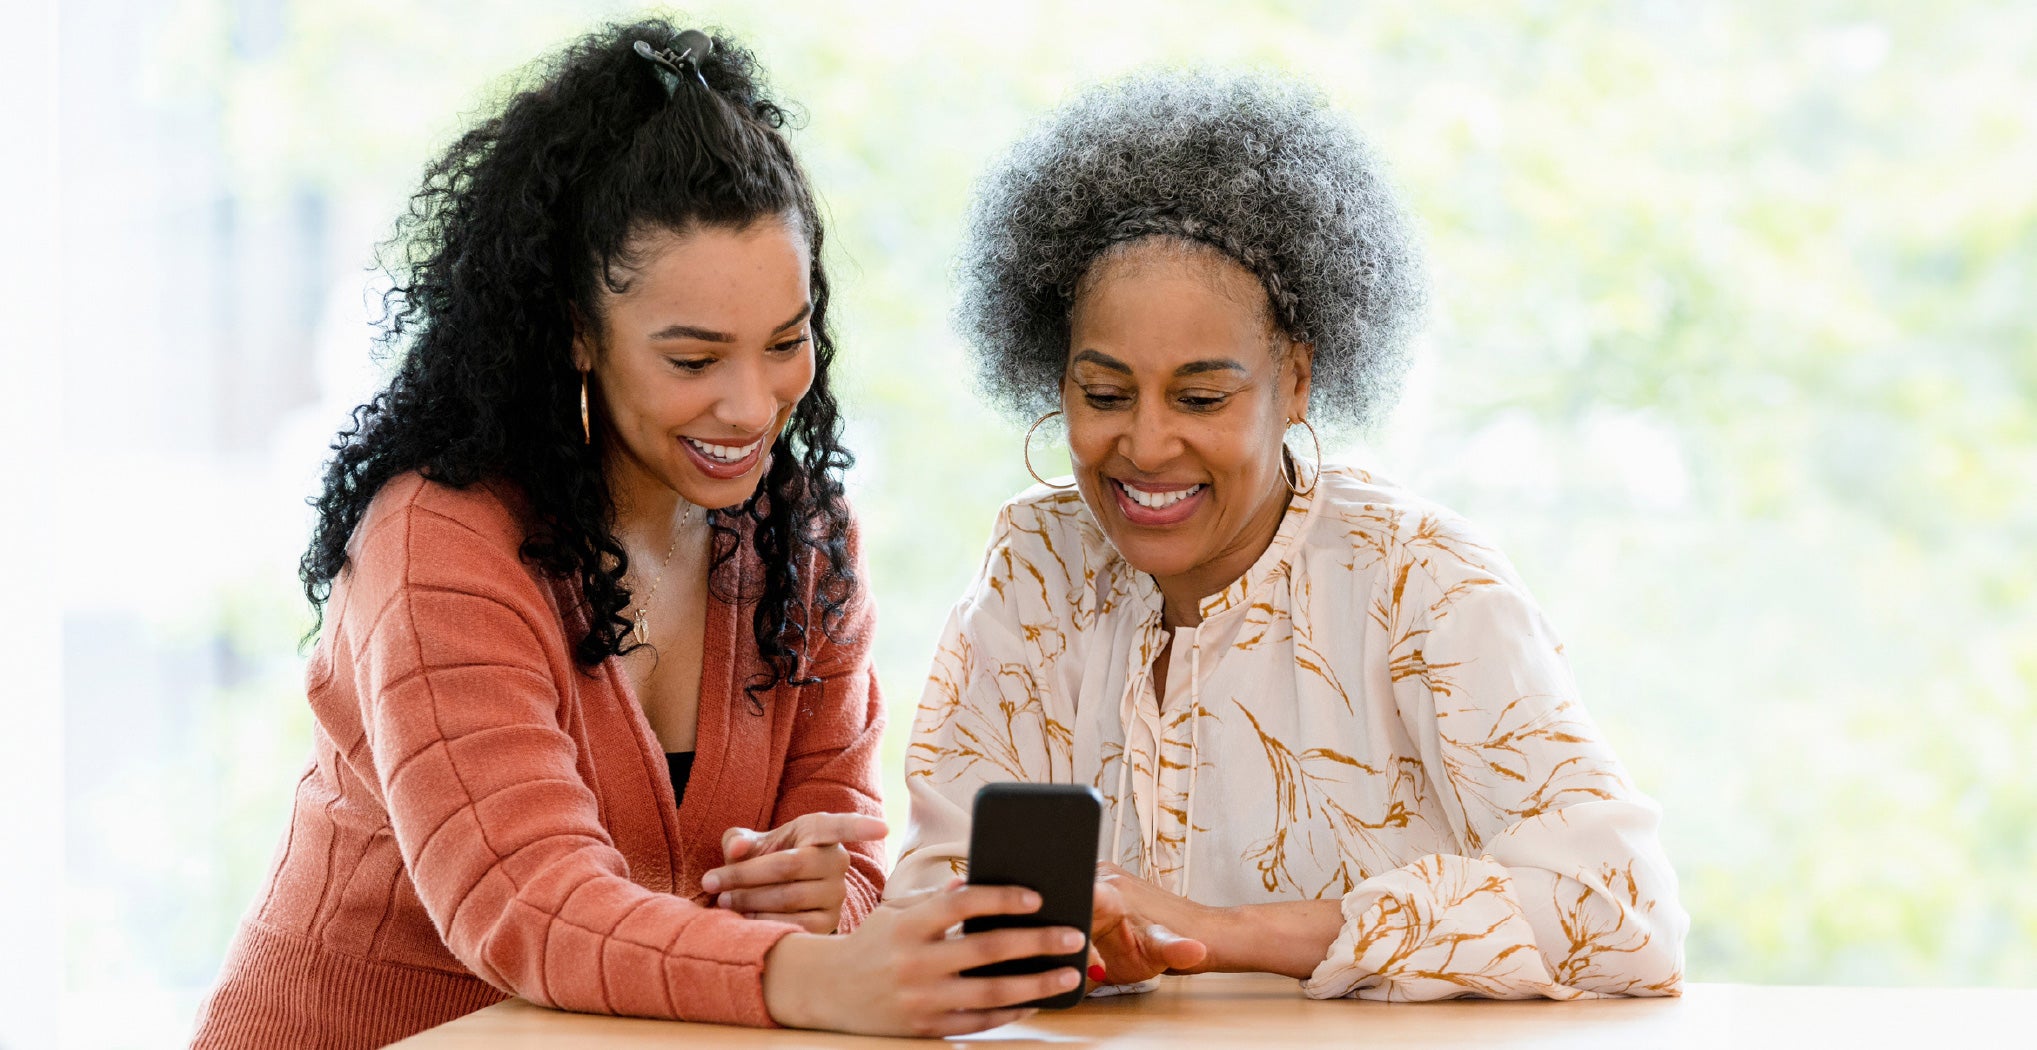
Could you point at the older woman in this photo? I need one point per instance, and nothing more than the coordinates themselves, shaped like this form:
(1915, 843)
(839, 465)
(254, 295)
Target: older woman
(1336, 738)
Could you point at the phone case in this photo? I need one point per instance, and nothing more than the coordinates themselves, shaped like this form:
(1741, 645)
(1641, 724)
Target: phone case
(1042, 837)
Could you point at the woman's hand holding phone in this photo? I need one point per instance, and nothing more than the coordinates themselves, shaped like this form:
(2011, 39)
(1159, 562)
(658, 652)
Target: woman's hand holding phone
(900, 972)
(1139, 931)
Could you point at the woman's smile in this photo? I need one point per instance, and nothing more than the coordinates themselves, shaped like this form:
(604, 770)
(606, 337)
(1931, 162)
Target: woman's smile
(1157, 505)
(723, 462)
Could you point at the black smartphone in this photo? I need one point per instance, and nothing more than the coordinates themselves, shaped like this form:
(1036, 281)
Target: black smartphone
(1042, 837)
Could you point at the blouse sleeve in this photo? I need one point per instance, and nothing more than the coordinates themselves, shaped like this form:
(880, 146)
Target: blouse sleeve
(831, 766)
(499, 833)
(983, 717)
(1565, 891)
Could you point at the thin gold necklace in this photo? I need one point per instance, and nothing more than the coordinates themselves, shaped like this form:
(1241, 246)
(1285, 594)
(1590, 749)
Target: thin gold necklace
(642, 627)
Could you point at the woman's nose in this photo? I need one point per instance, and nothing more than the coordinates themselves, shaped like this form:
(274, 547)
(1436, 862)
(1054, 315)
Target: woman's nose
(1150, 441)
(748, 404)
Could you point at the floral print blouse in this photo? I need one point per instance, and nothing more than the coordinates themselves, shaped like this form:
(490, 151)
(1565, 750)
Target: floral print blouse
(1377, 712)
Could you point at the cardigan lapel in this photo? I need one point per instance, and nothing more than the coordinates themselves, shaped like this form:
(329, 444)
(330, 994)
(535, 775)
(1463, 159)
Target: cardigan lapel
(622, 762)
(632, 780)
(669, 847)
(734, 782)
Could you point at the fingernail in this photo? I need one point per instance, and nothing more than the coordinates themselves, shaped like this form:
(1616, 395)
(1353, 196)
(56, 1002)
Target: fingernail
(1070, 941)
(1030, 900)
(724, 900)
(1068, 979)
(711, 882)
(1096, 973)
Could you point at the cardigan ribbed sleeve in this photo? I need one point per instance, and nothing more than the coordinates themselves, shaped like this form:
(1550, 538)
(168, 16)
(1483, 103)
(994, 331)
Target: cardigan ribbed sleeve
(456, 673)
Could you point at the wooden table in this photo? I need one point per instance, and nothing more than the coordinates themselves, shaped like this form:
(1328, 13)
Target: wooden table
(1257, 1010)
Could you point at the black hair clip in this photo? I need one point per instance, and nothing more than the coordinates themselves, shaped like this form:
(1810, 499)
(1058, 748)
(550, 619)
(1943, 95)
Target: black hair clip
(672, 66)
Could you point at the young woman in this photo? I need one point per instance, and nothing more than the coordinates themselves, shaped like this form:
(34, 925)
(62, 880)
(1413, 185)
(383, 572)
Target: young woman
(1337, 738)
(595, 721)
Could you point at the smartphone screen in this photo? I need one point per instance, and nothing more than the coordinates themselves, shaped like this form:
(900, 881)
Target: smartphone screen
(1042, 837)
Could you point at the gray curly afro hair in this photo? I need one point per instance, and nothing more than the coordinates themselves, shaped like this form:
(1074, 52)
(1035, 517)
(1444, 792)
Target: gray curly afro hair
(1256, 167)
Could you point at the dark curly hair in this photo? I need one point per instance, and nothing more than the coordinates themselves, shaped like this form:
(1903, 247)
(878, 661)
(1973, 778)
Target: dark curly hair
(520, 224)
(1259, 168)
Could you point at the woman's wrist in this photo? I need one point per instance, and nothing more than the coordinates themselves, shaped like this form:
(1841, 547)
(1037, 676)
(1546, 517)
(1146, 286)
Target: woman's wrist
(1228, 933)
(793, 971)
(1288, 938)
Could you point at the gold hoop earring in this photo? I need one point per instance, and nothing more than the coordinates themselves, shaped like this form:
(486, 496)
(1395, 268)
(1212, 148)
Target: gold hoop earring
(586, 424)
(1287, 473)
(1026, 451)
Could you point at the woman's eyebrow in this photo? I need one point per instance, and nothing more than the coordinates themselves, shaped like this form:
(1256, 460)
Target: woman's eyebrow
(1098, 357)
(796, 318)
(687, 331)
(709, 335)
(1209, 364)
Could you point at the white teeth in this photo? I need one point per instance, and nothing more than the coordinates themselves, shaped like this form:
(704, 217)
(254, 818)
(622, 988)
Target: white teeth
(1158, 500)
(725, 453)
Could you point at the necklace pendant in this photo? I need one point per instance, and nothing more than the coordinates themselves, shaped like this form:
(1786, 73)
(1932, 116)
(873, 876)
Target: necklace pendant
(642, 629)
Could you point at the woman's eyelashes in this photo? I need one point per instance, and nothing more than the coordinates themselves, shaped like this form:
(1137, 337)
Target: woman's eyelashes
(1197, 401)
(696, 365)
(1103, 399)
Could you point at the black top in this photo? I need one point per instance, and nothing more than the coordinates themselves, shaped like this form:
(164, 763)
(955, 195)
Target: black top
(680, 765)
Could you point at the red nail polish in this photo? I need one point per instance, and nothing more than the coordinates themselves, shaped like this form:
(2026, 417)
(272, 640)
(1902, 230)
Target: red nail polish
(1096, 973)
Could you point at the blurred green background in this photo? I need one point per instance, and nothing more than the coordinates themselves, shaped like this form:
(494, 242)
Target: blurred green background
(1733, 348)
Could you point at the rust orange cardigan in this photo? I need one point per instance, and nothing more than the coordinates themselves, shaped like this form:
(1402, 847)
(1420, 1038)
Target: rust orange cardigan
(483, 818)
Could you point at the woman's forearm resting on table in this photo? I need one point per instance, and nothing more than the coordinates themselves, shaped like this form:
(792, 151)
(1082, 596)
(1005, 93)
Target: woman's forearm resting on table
(1288, 937)
(1446, 925)
(1503, 926)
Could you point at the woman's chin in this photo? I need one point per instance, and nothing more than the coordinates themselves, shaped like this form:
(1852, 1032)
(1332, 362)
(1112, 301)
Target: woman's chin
(1155, 556)
(703, 489)
(711, 493)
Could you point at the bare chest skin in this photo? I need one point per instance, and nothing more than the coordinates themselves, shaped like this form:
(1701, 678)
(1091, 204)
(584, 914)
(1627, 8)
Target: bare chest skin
(666, 673)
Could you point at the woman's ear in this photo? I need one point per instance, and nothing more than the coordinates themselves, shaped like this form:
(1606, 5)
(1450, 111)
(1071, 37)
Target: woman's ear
(1301, 359)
